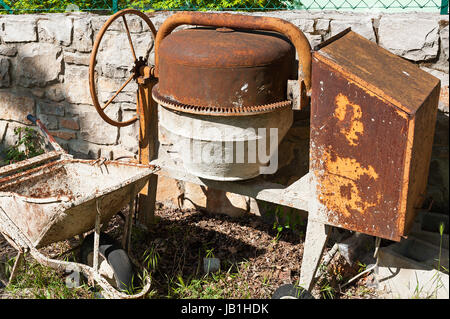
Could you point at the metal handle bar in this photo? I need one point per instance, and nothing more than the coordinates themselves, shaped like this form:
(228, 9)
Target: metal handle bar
(46, 133)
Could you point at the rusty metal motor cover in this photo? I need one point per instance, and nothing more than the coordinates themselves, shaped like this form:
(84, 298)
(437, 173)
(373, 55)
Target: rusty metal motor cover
(224, 68)
(372, 125)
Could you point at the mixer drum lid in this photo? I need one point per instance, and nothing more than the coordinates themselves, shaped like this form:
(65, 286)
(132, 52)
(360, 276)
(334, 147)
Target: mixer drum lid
(224, 67)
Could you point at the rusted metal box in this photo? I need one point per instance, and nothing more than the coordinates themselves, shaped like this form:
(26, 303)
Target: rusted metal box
(372, 125)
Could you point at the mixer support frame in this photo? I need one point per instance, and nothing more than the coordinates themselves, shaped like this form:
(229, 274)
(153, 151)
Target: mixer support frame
(298, 195)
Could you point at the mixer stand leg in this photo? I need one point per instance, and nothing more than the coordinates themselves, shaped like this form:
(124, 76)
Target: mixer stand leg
(316, 237)
(148, 148)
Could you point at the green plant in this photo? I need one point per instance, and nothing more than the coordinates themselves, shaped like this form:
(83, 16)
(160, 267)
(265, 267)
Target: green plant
(151, 257)
(209, 253)
(29, 144)
(437, 276)
(203, 5)
(279, 210)
(202, 288)
(327, 291)
(135, 288)
(40, 282)
(436, 279)
(441, 233)
(8, 266)
(29, 6)
(293, 4)
(285, 218)
(362, 267)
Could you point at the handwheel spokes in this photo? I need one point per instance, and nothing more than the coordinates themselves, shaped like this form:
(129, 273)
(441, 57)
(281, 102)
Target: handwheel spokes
(139, 70)
(118, 91)
(129, 37)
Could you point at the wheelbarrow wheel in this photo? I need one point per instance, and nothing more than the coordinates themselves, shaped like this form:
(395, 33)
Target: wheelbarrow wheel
(114, 263)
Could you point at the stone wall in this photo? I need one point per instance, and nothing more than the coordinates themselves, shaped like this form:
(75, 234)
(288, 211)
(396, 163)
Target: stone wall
(44, 62)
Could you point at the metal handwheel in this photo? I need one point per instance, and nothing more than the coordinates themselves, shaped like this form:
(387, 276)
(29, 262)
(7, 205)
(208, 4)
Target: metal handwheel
(140, 64)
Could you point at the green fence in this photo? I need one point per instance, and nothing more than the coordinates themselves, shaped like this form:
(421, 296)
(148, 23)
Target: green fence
(111, 6)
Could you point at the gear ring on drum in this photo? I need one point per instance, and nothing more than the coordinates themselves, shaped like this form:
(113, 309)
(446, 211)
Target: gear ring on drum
(217, 110)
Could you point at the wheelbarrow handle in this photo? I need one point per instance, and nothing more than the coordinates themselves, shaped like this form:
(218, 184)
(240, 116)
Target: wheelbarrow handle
(46, 133)
(31, 118)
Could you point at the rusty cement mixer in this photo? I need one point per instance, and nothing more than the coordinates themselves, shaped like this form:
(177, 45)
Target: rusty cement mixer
(222, 85)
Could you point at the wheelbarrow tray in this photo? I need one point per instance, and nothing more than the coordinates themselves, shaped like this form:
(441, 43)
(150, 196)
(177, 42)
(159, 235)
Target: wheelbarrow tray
(58, 200)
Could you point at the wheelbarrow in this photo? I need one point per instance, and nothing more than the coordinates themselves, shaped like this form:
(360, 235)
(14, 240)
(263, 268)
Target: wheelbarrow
(53, 197)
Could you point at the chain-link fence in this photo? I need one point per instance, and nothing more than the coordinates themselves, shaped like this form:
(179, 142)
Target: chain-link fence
(111, 6)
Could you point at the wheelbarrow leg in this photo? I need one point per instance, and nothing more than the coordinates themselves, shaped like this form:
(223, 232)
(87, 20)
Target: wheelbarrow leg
(19, 257)
(126, 239)
(316, 237)
(96, 235)
(17, 265)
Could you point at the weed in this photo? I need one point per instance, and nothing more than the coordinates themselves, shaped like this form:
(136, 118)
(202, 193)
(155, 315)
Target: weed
(362, 267)
(151, 257)
(436, 278)
(285, 218)
(210, 253)
(135, 288)
(327, 291)
(363, 291)
(37, 281)
(337, 271)
(441, 233)
(417, 290)
(202, 288)
(265, 280)
(28, 145)
(8, 266)
(131, 289)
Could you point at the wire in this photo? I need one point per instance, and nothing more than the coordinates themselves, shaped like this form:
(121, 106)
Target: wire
(375, 255)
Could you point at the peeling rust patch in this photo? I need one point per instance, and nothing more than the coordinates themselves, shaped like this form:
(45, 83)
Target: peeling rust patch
(348, 168)
(339, 190)
(350, 123)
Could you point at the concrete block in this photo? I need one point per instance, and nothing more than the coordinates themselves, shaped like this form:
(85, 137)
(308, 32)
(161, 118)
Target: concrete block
(402, 277)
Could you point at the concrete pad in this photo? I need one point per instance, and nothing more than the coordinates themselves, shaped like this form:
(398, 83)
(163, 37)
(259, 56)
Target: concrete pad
(406, 278)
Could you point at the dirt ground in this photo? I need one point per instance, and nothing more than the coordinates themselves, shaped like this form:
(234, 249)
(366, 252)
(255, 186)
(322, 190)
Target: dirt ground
(255, 257)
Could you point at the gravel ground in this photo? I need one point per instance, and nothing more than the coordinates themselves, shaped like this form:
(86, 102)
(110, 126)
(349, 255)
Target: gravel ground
(248, 248)
(255, 257)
